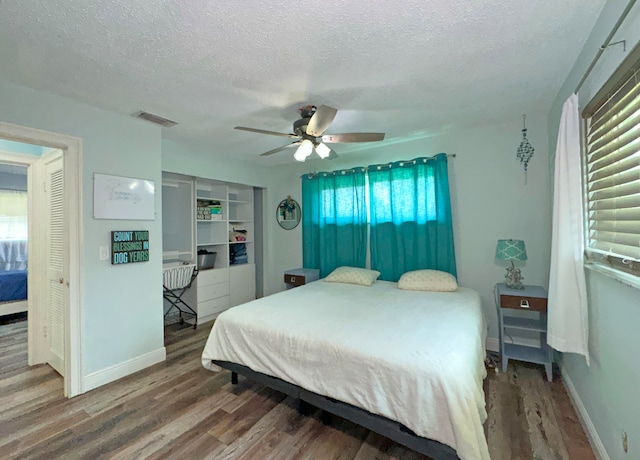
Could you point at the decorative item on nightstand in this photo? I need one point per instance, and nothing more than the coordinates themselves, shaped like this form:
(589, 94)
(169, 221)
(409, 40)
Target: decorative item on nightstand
(512, 250)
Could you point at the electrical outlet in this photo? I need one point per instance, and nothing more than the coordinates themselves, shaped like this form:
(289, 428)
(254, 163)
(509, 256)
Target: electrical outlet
(625, 442)
(104, 252)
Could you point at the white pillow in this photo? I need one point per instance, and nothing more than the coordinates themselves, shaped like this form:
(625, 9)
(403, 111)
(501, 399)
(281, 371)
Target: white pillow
(428, 280)
(353, 275)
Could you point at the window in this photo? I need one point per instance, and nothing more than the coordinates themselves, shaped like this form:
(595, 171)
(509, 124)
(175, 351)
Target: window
(405, 205)
(405, 199)
(13, 215)
(338, 205)
(612, 170)
(334, 220)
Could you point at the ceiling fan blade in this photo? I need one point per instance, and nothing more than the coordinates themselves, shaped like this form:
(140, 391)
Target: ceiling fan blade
(284, 147)
(262, 131)
(321, 120)
(333, 155)
(352, 137)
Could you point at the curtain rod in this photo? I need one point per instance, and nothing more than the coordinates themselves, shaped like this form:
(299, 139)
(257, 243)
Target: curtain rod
(366, 168)
(604, 46)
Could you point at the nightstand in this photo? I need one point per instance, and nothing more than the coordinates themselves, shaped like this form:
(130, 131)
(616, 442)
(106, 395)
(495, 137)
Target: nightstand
(299, 276)
(532, 302)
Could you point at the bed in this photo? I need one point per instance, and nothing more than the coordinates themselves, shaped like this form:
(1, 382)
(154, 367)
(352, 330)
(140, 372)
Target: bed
(13, 276)
(407, 364)
(13, 285)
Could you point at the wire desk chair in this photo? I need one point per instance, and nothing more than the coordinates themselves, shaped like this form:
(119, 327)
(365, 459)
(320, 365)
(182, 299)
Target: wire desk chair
(175, 281)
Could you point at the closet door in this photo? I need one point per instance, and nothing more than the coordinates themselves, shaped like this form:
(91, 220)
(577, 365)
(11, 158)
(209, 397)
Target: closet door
(55, 260)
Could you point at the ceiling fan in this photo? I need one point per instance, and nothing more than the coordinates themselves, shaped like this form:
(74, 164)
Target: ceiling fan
(308, 134)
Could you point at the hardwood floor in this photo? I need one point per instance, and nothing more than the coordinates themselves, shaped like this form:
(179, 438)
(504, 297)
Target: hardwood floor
(177, 409)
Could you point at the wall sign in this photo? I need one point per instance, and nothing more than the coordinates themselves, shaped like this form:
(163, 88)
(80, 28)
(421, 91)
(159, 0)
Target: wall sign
(129, 246)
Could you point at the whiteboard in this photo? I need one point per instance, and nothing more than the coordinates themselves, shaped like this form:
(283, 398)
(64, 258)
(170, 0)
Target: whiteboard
(116, 197)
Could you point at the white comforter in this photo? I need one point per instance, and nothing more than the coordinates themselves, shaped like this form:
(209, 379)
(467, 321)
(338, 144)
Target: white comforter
(411, 356)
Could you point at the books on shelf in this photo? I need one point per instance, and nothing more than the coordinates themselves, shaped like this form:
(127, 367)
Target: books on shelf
(209, 210)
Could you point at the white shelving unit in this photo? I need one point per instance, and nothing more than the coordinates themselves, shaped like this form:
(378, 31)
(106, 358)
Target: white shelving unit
(186, 231)
(213, 234)
(229, 283)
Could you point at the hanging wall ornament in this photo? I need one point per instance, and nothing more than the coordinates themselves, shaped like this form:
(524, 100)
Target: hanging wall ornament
(525, 151)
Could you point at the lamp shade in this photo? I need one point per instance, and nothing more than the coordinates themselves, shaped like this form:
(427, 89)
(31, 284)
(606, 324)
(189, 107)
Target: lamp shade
(323, 150)
(305, 149)
(511, 250)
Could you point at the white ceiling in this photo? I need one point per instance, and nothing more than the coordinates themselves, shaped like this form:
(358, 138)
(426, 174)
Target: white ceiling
(409, 68)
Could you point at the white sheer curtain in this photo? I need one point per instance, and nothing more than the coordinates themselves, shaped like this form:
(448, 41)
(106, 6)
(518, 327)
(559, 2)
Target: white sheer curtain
(568, 321)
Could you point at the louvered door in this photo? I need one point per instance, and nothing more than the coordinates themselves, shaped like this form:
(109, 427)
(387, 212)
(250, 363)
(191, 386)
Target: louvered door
(55, 247)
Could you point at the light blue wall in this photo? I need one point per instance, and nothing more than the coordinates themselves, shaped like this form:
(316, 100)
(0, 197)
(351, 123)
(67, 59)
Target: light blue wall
(608, 389)
(489, 199)
(20, 147)
(121, 305)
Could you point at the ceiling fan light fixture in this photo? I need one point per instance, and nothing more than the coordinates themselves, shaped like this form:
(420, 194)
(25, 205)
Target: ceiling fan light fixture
(322, 150)
(308, 132)
(305, 149)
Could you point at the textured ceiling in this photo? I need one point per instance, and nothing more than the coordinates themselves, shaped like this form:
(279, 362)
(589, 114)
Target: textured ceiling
(409, 68)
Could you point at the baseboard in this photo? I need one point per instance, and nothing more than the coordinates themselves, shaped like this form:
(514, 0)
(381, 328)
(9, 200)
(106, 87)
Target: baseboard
(104, 376)
(592, 433)
(208, 318)
(492, 344)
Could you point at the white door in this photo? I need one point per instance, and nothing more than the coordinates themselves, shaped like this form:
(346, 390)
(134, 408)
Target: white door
(56, 251)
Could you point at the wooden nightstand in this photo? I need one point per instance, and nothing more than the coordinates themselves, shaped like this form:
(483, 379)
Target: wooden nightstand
(532, 300)
(299, 276)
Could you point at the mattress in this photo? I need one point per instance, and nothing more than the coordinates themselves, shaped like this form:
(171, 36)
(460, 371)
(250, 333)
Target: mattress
(412, 356)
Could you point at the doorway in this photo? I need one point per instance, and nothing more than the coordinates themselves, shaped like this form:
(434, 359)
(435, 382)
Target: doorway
(54, 182)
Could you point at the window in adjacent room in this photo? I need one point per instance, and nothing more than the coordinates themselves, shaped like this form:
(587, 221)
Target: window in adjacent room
(612, 170)
(13, 215)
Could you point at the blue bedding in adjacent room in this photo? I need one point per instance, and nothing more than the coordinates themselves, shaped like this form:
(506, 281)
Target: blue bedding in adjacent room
(13, 285)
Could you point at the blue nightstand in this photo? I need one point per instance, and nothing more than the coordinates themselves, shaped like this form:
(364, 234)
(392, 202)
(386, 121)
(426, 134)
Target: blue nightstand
(533, 301)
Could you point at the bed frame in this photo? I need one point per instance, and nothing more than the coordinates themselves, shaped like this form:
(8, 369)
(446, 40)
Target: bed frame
(381, 425)
(12, 307)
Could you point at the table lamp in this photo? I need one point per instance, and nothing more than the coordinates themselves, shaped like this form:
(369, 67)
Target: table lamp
(512, 250)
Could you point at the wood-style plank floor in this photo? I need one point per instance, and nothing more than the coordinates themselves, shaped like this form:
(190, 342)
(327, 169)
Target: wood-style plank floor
(177, 409)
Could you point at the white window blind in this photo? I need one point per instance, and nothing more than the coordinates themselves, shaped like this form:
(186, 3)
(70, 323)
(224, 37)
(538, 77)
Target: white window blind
(613, 173)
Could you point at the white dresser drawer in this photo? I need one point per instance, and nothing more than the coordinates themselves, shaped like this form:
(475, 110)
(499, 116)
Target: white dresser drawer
(212, 276)
(211, 307)
(213, 291)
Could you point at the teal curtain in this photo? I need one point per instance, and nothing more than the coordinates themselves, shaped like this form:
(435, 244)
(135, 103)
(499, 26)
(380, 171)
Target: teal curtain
(334, 220)
(410, 212)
